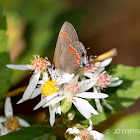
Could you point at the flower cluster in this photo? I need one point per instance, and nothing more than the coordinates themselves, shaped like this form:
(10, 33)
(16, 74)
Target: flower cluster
(10, 123)
(82, 133)
(60, 90)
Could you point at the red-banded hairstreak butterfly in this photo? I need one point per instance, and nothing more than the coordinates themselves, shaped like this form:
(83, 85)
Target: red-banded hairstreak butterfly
(69, 54)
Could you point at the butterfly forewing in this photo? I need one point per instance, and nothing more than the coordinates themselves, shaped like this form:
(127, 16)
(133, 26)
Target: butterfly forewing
(66, 36)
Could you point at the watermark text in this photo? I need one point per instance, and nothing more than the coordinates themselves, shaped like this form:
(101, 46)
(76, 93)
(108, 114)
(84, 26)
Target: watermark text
(123, 131)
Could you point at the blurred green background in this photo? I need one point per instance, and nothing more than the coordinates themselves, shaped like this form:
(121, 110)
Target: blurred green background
(32, 27)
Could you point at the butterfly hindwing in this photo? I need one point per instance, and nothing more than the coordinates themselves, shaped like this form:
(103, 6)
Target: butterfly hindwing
(72, 57)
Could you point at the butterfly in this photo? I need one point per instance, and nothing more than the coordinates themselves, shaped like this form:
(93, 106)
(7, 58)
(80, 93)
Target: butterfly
(70, 53)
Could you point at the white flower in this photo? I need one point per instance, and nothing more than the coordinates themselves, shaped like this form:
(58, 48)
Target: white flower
(38, 65)
(10, 123)
(85, 134)
(74, 91)
(49, 89)
(113, 83)
(103, 80)
(96, 67)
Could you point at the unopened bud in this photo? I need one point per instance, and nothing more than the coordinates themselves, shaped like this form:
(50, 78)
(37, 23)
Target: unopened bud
(65, 105)
(70, 116)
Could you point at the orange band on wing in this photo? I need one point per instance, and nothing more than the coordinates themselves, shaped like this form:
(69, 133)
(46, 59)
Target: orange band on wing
(54, 59)
(55, 65)
(75, 54)
(66, 36)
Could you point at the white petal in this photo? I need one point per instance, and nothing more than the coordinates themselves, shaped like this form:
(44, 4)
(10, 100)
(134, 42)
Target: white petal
(18, 67)
(54, 101)
(40, 82)
(8, 110)
(31, 86)
(88, 74)
(90, 125)
(52, 96)
(34, 73)
(86, 84)
(58, 108)
(97, 101)
(41, 103)
(77, 138)
(106, 62)
(3, 130)
(101, 69)
(35, 93)
(97, 135)
(95, 90)
(65, 78)
(98, 105)
(45, 76)
(114, 79)
(20, 101)
(91, 95)
(115, 83)
(107, 105)
(44, 101)
(2, 119)
(73, 130)
(23, 123)
(85, 105)
(52, 114)
(76, 77)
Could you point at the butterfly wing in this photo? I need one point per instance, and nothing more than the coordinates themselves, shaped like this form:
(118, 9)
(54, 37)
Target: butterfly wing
(72, 57)
(66, 36)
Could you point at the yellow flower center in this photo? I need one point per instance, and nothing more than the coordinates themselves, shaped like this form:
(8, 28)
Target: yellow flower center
(49, 88)
(12, 123)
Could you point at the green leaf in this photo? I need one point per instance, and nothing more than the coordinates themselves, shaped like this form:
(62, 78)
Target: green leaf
(5, 74)
(125, 72)
(3, 36)
(128, 92)
(4, 58)
(127, 128)
(96, 119)
(125, 97)
(30, 133)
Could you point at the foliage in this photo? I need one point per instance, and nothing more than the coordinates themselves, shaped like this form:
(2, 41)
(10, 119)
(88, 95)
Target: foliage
(4, 58)
(33, 132)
